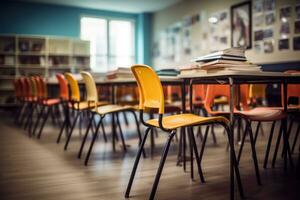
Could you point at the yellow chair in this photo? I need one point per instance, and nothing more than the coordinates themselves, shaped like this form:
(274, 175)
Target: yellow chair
(151, 96)
(76, 105)
(102, 111)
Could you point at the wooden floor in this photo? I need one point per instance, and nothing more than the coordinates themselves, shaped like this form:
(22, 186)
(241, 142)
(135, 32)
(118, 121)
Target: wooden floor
(40, 169)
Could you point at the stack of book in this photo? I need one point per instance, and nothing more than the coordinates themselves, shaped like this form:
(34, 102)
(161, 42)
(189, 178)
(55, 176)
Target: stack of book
(120, 73)
(227, 60)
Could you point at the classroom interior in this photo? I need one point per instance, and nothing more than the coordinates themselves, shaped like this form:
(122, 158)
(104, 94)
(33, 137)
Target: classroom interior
(137, 99)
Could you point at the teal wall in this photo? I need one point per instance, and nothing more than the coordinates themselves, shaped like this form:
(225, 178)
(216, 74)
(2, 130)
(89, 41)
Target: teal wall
(44, 19)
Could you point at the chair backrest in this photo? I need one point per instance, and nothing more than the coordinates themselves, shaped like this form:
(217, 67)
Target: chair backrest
(17, 88)
(150, 88)
(34, 89)
(91, 90)
(199, 92)
(38, 87)
(74, 87)
(293, 90)
(42, 87)
(24, 87)
(28, 87)
(63, 87)
(214, 91)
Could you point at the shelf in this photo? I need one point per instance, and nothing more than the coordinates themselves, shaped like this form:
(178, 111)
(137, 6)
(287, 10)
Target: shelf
(7, 77)
(4, 66)
(6, 89)
(31, 53)
(53, 67)
(59, 54)
(31, 66)
(7, 53)
(81, 55)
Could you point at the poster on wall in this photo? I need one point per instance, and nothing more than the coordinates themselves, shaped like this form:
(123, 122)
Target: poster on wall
(284, 44)
(241, 25)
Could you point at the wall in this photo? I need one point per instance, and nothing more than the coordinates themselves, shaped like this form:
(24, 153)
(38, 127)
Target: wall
(43, 19)
(175, 13)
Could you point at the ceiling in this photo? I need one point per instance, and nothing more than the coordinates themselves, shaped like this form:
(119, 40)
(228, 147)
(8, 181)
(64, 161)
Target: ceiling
(132, 6)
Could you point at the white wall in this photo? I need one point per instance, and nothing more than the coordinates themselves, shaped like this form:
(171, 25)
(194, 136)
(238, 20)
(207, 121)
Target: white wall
(164, 18)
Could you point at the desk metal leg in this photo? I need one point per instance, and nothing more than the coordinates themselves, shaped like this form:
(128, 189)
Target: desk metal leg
(232, 137)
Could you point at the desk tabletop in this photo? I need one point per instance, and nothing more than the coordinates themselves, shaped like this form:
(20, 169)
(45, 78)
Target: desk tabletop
(104, 81)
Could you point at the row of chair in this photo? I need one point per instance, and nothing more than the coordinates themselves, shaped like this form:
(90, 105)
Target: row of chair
(33, 97)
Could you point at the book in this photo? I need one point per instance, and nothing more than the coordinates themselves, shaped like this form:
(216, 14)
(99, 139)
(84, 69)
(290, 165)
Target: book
(223, 57)
(222, 61)
(238, 66)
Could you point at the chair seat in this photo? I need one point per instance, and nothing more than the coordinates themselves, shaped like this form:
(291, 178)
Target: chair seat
(181, 120)
(256, 114)
(85, 105)
(102, 110)
(263, 114)
(50, 102)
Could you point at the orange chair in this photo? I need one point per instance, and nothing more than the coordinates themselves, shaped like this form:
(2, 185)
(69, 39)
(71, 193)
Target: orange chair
(48, 105)
(249, 115)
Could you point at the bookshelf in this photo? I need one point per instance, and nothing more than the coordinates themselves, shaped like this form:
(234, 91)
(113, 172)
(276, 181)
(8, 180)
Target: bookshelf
(26, 55)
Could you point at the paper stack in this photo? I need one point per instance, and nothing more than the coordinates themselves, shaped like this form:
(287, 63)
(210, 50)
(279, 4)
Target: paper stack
(232, 59)
(120, 73)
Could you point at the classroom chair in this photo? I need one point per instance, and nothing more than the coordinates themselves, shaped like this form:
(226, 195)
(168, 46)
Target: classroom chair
(102, 111)
(80, 107)
(151, 96)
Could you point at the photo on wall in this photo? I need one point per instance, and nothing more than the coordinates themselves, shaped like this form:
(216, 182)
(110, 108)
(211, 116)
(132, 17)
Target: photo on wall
(284, 44)
(285, 28)
(241, 23)
(269, 5)
(258, 20)
(270, 18)
(285, 12)
(297, 27)
(268, 33)
(258, 6)
(297, 12)
(269, 46)
(296, 43)
(258, 35)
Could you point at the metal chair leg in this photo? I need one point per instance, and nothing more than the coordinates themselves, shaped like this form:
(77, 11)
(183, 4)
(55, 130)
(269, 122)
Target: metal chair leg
(161, 165)
(277, 146)
(189, 132)
(85, 135)
(254, 157)
(136, 162)
(138, 131)
(71, 131)
(43, 123)
(200, 172)
(256, 131)
(269, 145)
(38, 119)
(295, 139)
(203, 144)
(243, 141)
(121, 132)
(93, 141)
(233, 166)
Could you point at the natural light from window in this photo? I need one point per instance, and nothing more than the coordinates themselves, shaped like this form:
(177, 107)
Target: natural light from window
(112, 42)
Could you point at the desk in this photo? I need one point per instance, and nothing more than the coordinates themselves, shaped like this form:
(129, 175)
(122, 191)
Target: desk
(233, 78)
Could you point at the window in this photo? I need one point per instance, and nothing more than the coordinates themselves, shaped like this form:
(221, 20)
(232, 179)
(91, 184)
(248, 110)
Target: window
(112, 42)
